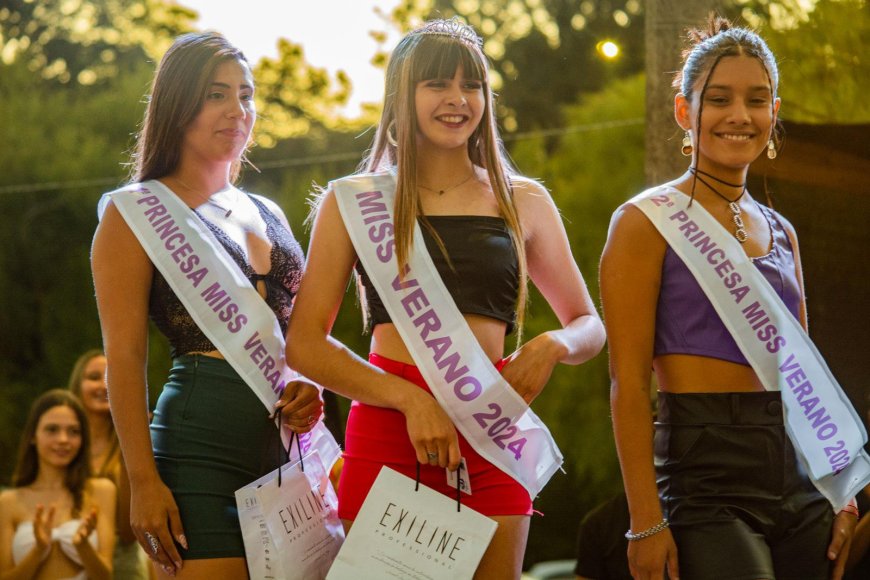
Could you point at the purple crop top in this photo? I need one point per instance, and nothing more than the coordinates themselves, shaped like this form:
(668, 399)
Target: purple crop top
(686, 322)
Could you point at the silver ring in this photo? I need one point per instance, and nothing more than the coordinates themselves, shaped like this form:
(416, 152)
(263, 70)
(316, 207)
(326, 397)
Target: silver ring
(432, 455)
(153, 542)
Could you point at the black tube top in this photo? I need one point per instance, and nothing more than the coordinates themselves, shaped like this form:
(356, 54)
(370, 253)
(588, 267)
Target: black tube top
(484, 279)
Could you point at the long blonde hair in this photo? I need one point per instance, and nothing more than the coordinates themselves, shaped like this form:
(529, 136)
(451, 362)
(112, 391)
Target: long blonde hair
(436, 50)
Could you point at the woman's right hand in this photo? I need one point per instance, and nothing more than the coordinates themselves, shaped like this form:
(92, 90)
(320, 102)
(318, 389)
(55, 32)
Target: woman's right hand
(431, 432)
(648, 557)
(43, 522)
(155, 520)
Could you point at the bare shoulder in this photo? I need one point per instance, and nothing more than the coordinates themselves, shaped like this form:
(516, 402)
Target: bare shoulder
(630, 223)
(529, 193)
(8, 499)
(11, 508)
(101, 488)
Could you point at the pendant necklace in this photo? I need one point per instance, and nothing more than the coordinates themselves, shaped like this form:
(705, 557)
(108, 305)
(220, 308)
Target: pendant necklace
(227, 212)
(733, 205)
(451, 188)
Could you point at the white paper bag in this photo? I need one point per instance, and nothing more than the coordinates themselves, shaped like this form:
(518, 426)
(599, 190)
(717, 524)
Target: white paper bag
(300, 519)
(402, 533)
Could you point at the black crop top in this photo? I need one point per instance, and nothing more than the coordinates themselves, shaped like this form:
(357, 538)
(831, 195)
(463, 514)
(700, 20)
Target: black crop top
(484, 279)
(282, 281)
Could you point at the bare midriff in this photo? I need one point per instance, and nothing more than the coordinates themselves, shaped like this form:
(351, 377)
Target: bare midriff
(490, 333)
(684, 373)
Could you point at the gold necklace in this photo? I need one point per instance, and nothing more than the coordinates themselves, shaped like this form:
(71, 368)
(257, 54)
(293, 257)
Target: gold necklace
(227, 212)
(451, 188)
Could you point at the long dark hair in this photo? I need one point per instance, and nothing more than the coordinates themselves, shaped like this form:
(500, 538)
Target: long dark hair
(177, 95)
(79, 469)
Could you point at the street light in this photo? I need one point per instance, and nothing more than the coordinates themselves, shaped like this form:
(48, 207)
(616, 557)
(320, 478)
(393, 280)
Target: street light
(608, 49)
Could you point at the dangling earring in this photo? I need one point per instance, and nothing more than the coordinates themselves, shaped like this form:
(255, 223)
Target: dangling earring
(686, 149)
(390, 139)
(771, 149)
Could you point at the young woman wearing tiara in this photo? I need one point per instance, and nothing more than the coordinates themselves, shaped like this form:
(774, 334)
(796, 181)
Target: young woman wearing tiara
(738, 501)
(487, 229)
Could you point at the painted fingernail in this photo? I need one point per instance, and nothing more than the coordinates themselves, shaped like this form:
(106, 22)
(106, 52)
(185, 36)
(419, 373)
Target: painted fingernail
(183, 541)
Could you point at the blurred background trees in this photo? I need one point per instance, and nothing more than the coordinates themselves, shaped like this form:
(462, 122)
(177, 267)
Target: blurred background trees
(74, 75)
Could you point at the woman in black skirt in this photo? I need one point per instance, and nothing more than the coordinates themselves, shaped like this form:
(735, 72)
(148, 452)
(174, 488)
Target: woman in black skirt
(210, 434)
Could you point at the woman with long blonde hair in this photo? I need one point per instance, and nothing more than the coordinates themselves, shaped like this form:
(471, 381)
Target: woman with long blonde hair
(487, 230)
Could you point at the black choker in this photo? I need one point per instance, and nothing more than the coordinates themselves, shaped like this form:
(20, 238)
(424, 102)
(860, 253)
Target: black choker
(733, 204)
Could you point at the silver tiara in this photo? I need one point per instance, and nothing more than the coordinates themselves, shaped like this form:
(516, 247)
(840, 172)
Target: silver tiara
(453, 28)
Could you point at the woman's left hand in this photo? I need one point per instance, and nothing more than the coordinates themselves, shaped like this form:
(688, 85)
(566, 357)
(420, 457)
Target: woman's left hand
(529, 368)
(88, 524)
(841, 540)
(301, 405)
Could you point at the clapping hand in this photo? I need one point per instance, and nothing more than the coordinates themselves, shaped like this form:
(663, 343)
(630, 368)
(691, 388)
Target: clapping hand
(88, 525)
(43, 522)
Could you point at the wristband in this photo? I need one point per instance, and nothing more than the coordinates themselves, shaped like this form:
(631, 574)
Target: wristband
(851, 508)
(631, 536)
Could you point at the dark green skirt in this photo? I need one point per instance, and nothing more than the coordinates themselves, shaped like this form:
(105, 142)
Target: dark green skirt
(211, 435)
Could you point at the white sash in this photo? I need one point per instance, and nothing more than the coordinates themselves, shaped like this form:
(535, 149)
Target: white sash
(217, 295)
(487, 411)
(821, 422)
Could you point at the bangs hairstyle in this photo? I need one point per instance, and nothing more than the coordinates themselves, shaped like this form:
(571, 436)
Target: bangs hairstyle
(706, 48)
(178, 92)
(436, 51)
(79, 469)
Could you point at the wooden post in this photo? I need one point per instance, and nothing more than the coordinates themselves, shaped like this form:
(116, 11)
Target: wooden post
(666, 23)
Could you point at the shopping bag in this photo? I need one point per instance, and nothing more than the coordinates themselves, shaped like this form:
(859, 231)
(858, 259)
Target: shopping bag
(260, 553)
(407, 530)
(302, 532)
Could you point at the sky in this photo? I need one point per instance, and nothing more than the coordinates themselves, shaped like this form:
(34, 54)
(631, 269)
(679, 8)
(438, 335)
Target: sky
(333, 34)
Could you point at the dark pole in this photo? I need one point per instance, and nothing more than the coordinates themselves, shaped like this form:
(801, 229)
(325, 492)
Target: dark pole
(666, 23)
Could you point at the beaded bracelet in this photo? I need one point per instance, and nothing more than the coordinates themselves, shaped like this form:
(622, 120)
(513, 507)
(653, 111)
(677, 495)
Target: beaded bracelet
(631, 536)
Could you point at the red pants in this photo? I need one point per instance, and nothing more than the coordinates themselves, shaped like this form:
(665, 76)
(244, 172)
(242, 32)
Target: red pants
(377, 436)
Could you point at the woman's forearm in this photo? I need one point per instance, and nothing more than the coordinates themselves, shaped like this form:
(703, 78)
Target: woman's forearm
(334, 366)
(128, 400)
(28, 567)
(633, 431)
(95, 567)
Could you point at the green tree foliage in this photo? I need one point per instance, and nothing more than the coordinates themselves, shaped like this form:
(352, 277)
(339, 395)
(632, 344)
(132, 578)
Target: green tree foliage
(295, 98)
(591, 169)
(62, 149)
(544, 52)
(87, 42)
(824, 68)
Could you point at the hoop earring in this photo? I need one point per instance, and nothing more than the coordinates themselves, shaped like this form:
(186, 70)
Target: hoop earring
(687, 148)
(390, 139)
(771, 149)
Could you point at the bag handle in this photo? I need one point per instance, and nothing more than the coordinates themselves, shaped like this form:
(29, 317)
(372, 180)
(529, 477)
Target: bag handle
(458, 483)
(293, 435)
